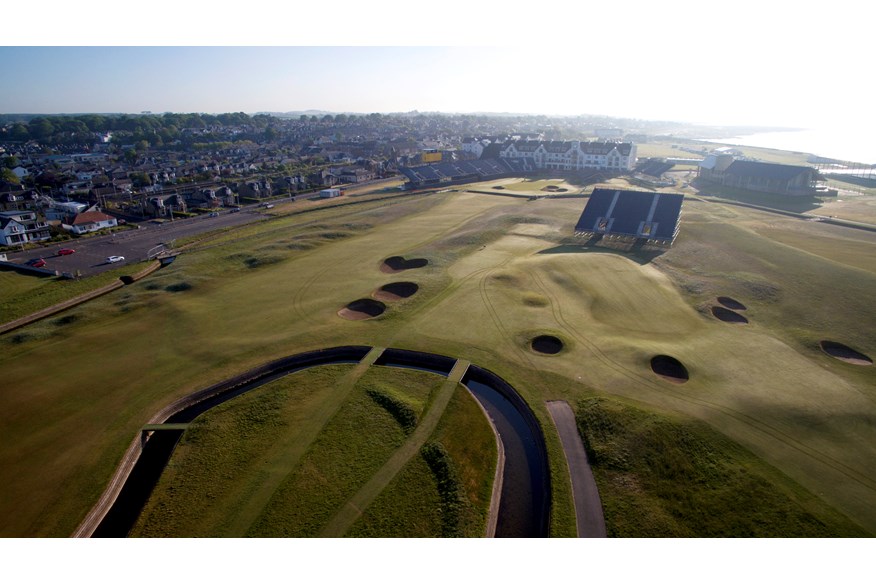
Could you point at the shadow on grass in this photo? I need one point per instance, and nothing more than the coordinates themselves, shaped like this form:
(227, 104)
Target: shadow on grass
(632, 251)
(792, 203)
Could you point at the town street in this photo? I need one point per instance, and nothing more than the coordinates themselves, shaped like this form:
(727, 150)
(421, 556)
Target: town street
(133, 244)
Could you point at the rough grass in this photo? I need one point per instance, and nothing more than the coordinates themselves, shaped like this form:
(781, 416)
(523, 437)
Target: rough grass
(221, 459)
(226, 454)
(668, 477)
(418, 504)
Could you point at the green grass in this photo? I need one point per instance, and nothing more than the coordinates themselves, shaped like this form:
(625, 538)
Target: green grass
(486, 291)
(414, 505)
(661, 476)
(262, 465)
(228, 452)
(22, 294)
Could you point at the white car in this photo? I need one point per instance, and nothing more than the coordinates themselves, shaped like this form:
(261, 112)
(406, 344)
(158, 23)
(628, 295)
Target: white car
(114, 259)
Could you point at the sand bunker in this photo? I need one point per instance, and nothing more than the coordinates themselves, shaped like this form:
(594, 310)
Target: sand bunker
(731, 303)
(362, 309)
(396, 291)
(844, 353)
(725, 315)
(547, 344)
(398, 263)
(669, 368)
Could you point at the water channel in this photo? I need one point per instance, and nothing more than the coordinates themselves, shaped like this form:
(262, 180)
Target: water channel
(524, 508)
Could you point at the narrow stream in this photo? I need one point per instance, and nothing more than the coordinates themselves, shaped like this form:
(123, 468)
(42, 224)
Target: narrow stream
(525, 503)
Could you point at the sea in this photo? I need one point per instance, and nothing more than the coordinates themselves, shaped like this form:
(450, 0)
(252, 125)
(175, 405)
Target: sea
(837, 143)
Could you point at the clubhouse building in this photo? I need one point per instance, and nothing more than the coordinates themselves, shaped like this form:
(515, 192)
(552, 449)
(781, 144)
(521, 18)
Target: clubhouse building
(572, 155)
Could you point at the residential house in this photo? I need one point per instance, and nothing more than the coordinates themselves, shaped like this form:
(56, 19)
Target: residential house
(255, 189)
(164, 205)
(64, 212)
(18, 200)
(19, 227)
(355, 175)
(323, 178)
(205, 198)
(92, 221)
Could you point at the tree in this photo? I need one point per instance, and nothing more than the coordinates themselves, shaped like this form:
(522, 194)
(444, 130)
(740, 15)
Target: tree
(7, 176)
(141, 179)
(41, 128)
(19, 133)
(11, 162)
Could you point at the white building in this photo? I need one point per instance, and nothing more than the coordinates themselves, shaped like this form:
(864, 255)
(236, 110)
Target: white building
(18, 227)
(474, 147)
(573, 155)
(92, 221)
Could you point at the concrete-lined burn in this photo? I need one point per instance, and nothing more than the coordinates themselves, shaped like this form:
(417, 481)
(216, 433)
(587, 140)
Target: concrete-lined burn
(547, 344)
(669, 368)
(524, 506)
(362, 309)
(730, 303)
(845, 353)
(396, 291)
(726, 315)
(398, 264)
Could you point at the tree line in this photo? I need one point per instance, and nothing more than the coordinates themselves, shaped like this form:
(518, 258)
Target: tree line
(164, 128)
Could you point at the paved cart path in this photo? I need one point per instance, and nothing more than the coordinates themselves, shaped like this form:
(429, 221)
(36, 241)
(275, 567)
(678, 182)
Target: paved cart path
(588, 507)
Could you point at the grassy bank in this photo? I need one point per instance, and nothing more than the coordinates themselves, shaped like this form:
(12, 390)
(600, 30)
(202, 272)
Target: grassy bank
(665, 476)
(261, 465)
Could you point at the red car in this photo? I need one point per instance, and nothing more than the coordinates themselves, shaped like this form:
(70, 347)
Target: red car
(37, 262)
(66, 251)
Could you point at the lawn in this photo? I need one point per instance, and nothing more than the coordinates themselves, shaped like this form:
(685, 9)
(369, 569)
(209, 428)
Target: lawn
(282, 460)
(23, 294)
(499, 272)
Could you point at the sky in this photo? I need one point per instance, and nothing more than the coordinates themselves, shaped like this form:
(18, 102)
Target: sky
(796, 64)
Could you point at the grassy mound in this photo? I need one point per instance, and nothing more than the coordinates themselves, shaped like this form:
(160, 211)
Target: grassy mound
(669, 477)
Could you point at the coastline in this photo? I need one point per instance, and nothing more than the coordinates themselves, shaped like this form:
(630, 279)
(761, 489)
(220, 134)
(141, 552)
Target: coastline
(837, 143)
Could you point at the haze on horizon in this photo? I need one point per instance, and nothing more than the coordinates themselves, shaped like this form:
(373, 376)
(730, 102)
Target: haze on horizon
(753, 65)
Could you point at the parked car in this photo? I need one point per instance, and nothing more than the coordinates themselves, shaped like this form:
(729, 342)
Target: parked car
(214, 214)
(36, 262)
(66, 251)
(114, 259)
(234, 210)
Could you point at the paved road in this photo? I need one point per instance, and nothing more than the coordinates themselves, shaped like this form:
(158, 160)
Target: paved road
(588, 507)
(133, 245)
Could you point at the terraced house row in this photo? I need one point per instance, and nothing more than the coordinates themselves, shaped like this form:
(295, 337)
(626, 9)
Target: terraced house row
(573, 154)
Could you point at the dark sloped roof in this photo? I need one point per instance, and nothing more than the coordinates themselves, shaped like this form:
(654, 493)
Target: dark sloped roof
(558, 146)
(492, 150)
(766, 170)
